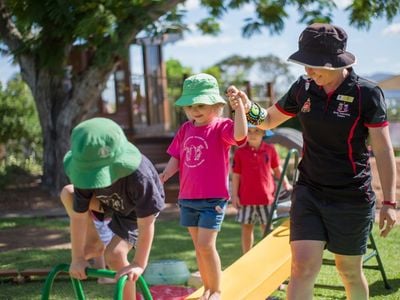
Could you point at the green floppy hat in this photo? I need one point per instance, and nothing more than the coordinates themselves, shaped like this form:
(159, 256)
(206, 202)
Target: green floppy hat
(200, 89)
(100, 154)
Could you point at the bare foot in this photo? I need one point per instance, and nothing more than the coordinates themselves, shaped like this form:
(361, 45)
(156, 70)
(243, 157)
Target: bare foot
(205, 295)
(215, 296)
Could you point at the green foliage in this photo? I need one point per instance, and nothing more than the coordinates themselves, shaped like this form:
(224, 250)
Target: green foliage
(18, 114)
(216, 72)
(102, 23)
(209, 26)
(235, 69)
(238, 70)
(97, 24)
(175, 70)
(176, 73)
(20, 131)
(362, 12)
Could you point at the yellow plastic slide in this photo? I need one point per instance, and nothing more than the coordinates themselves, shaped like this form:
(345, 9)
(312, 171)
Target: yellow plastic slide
(259, 272)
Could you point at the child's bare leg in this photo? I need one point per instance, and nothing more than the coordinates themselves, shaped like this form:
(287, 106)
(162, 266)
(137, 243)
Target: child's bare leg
(93, 245)
(193, 231)
(262, 228)
(116, 256)
(247, 237)
(99, 263)
(211, 264)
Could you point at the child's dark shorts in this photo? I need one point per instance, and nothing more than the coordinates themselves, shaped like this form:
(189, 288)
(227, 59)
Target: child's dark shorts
(125, 227)
(344, 226)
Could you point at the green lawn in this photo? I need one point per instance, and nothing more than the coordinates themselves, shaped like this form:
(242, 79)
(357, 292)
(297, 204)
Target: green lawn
(173, 242)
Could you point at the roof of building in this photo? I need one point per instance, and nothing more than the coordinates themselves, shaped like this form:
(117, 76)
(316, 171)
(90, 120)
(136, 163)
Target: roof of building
(392, 83)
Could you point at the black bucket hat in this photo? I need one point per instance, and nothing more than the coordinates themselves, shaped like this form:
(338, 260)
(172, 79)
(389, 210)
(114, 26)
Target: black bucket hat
(323, 46)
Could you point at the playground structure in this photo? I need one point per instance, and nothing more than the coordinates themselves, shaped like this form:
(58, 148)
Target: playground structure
(77, 285)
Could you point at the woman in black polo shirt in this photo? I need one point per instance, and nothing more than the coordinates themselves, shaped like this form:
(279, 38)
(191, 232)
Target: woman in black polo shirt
(333, 203)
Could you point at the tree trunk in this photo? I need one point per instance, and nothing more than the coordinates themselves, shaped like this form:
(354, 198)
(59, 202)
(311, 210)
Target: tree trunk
(61, 106)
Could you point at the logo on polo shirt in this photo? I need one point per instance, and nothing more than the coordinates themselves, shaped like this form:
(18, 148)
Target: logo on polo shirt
(343, 110)
(306, 106)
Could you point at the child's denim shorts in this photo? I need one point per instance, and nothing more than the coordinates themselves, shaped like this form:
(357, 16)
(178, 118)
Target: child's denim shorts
(204, 213)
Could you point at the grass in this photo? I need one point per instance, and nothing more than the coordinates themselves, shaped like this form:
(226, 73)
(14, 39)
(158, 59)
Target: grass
(173, 242)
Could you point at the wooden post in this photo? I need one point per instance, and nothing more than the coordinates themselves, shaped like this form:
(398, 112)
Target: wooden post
(248, 88)
(164, 94)
(270, 94)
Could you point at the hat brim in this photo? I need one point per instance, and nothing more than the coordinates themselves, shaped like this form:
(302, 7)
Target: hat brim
(321, 61)
(188, 100)
(91, 178)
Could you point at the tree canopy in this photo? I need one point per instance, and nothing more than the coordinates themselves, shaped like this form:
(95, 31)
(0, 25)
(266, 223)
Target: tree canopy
(20, 132)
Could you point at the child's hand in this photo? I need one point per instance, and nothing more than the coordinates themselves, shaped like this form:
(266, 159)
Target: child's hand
(236, 202)
(233, 96)
(163, 177)
(288, 187)
(77, 269)
(133, 271)
(237, 98)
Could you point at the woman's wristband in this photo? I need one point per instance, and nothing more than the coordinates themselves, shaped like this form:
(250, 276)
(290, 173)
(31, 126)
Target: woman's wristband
(389, 203)
(256, 114)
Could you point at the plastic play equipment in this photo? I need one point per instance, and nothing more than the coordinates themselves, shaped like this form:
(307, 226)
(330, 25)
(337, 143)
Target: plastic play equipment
(288, 137)
(77, 286)
(259, 272)
(165, 272)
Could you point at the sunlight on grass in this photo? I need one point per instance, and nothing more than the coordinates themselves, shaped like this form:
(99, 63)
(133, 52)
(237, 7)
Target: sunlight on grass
(7, 225)
(52, 223)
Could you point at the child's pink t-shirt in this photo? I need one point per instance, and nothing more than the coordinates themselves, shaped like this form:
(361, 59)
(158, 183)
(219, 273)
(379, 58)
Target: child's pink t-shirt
(203, 154)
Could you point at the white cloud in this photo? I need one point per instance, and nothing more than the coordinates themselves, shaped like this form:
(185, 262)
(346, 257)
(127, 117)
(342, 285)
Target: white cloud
(248, 8)
(393, 29)
(192, 4)
(203, 41)
(342, 3)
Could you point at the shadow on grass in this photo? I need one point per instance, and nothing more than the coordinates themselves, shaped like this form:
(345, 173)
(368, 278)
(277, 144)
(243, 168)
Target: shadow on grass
(378, 288)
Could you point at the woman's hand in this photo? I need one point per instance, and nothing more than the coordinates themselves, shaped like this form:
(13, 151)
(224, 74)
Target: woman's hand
(387, 219)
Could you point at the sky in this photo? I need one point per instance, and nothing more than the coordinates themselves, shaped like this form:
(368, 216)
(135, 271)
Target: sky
(377, 50)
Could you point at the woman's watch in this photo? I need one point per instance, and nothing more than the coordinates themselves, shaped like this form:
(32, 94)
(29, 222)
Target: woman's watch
(389, 203)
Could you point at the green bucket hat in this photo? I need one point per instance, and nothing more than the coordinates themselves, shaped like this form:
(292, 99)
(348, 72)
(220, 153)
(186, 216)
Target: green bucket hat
(100, 154)
(200, 89)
